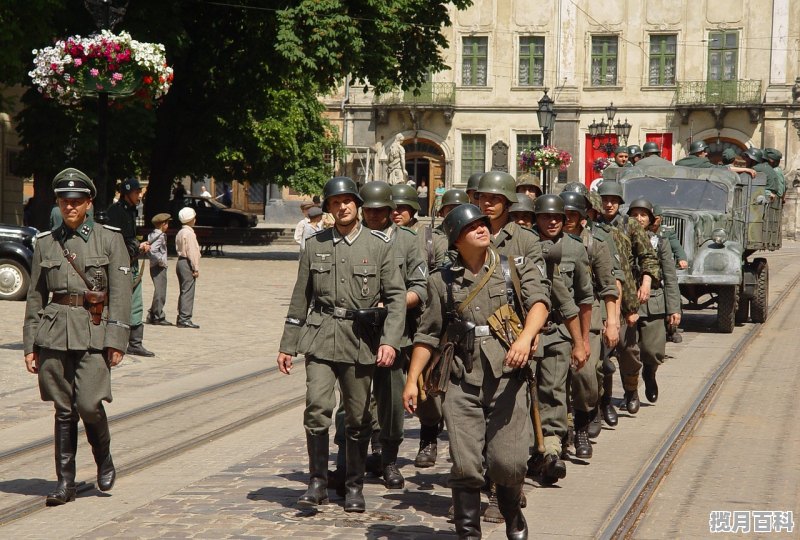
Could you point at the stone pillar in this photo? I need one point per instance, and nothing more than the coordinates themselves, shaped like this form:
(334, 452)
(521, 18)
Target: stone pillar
(791, 209)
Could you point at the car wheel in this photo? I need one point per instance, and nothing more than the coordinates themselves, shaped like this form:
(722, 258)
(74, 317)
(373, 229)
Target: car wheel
(14, 280)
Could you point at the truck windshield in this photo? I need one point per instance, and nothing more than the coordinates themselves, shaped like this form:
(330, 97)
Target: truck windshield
(678, 193)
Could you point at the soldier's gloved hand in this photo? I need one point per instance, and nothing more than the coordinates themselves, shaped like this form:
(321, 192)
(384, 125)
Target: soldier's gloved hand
(32, 362)
(285, 363)
(113, 356)
(385, 356)
(410, 394)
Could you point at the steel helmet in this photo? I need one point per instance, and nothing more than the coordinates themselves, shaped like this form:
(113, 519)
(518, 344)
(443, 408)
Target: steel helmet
(754, 153)
(525, 204)
(657, 210)
(339, 185)
(651, 148)
(461, 216)
(377, 194)
(500, 183)
(528, 179)
(474, 180)
(575, 201)
(576, 187)
(454, 197)
(549, 204)
(405, 194)
(698, 146)
(610, 188)
(644, 204)
(634, 150)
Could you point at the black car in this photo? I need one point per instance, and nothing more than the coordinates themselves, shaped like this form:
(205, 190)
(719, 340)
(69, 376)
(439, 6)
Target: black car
(212, 213)
(16, 253)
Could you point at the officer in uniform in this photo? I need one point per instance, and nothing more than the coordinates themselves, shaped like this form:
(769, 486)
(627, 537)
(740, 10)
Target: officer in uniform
(472, 187)
(486, 403)
(754, 158)
(645, 266)
(344, 273)
(620, 157)
(586, 382)
(521, 212)
(122, 214)
(664, 302)
(773, 158)
(76, 327)
(528, 185)
(451, 199)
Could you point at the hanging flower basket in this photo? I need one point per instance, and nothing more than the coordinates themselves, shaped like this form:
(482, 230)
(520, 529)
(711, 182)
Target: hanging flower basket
(600, 164)
(117, 64)
(540, 158)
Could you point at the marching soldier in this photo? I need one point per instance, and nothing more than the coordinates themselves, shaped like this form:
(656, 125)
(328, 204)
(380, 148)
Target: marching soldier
(344, 273)
(76, 327)
(528, 185)
(664, 302)
(122, 214)
(680, 260)
(486, 400)
(472, 187)
(521, 212)
(451, 199)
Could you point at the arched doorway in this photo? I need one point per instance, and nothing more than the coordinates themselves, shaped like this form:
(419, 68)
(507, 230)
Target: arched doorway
(717, 145)
(425, 163)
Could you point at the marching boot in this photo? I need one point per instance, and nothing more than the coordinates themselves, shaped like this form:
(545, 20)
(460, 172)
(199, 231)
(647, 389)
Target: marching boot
(336, 478)
(426, 457)
(354, 479)
(392, 476)
(631, 396)
(373, 464)
(100, 440)
(650, 384)
(317, 492)
(583, 448)
(492, 513)
(66, 445)
(594, 428)
(466, 513)
(135, 346)
(509, 499)
(609, 412)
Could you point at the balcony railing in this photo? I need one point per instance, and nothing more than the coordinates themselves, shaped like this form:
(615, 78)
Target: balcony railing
(738, 92)
(434, 93)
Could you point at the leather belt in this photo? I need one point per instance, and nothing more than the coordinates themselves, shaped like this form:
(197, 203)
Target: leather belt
(337, 312)
(68, 299)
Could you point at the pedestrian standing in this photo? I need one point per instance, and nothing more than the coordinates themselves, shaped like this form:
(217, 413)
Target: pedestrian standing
(313, 226)
(76, 327)
(188, 267)
(301, 225)
(158, 269)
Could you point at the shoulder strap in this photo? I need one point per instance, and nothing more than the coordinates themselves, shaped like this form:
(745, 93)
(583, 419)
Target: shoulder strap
(484, 280)
(513, 288)
(71, 260)
(429, 246)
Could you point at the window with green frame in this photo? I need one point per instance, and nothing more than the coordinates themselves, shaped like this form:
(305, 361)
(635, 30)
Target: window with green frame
(474, 62)
(663, 50)
(531, 61)
(526, 142)
(723, 53)
(473, 155)
(604, 60)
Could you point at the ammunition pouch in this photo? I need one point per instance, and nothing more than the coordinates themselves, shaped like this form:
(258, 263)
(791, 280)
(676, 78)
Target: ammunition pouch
(371, 318)
(94, 302)
(505, 325)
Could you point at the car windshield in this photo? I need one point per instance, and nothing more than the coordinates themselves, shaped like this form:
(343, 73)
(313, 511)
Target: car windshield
(682, 193)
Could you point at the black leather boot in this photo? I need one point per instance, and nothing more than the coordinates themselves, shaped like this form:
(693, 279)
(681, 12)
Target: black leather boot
(66, 445)
(595, 428)
(606, 407)
(466, 513)
(374, 462)
(100, 439)
(632, 401)
(336, 478)
(509, 500)
(135, 346)
(583, 448)
(354, 480)
(492, 513)
(650, 384)
(392, 476)
(426, 457)
(317, 492)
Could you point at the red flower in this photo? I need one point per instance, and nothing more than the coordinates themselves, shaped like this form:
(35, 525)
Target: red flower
(147, 79)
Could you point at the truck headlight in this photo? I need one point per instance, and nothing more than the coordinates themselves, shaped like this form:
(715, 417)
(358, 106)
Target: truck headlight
(719, 236)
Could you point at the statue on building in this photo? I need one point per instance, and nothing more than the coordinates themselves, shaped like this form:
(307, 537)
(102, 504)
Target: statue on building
(796, 90)
(396, 161)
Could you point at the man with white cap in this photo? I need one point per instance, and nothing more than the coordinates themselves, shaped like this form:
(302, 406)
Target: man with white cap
(188, 267)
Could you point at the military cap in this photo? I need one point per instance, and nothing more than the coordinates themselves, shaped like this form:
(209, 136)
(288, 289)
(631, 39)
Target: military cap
(523, 204)
(657, 210)
(576, 187)
(314, 211)
(620, 150)
(340, 185)
(549, 204)
(72, 183)
(575, 201)
(158, 219)
(729, 155)
(129, 185)
(773, 154)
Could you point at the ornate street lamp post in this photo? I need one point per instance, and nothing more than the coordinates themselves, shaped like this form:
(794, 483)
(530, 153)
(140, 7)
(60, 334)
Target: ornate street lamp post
(598, 131)
(547, 119)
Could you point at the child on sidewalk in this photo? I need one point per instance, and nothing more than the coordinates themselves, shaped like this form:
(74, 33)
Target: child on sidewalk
(188, 267)
(158, 269)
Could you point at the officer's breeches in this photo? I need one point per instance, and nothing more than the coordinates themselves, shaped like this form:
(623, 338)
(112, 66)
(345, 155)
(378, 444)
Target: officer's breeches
(79, 377)
(629, 362)
(552, 375)
(496, 415)
(354, 381)
(585, 388)
(652, 340)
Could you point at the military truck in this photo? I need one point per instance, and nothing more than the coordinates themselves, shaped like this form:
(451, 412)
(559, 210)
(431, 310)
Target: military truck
(721, 219)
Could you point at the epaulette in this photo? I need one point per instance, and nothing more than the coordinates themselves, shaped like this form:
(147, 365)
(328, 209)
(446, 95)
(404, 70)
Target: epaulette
(112, 228)
(43, 234)
(575, 237)
(412, 231)
(382, 235)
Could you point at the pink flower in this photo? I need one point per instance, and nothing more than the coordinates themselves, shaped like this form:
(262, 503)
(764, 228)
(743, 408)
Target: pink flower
(117, 76)
(99, 86)
(93, 72)
(78, 62)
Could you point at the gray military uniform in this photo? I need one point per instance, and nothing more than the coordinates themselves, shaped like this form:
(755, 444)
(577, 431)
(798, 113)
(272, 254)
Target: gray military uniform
(665, 299)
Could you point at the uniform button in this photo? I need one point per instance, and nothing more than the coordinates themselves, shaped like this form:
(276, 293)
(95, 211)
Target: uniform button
(341, 280)
(342, 260)
(477, 308)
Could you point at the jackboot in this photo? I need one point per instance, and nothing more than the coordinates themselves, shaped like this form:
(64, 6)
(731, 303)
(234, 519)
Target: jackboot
(392, 476)
(100, 439)
(509, 499)
(135, 346)
(609, 412)
(650, 384)
(594, 428)
(631, 396)
(66, 445)
(336, 478)
(374, 460)
(426, 457)
(466, 513)
(583, 448)
(492, 513)
(354, 479)
(317, 492)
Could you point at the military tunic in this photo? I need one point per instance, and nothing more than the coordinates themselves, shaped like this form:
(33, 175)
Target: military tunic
(487, 406)
(675, 245)
(123, 216)
(72, 368)
(773, 180)
(339, 275)
(665, 299)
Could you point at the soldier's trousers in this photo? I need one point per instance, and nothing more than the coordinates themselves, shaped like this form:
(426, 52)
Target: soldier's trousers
(137, 306)
(79, 378)
(429, 412)
(552, 375)
(585, 385)
(630, 363)
(186, 299)
(496, 416)
(159, 276)
(652, 340)
(354, 381)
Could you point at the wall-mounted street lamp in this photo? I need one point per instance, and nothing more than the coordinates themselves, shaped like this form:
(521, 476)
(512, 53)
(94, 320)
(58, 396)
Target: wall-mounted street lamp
(599, 131)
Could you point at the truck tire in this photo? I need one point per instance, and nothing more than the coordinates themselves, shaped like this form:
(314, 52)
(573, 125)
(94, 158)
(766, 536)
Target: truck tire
(14, 280)
(727, 303)
(743, 309)
(759, 308)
